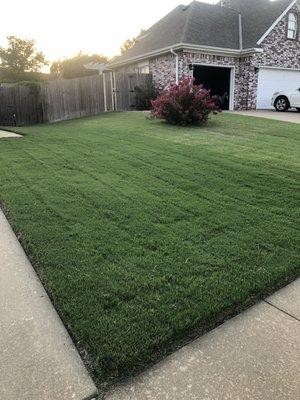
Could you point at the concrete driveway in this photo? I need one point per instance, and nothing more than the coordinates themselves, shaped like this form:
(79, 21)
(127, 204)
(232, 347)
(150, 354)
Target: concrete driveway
(289, 116)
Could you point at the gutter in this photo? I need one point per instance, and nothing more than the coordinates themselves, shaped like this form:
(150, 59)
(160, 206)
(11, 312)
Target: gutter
(191, 47)
(176, 64)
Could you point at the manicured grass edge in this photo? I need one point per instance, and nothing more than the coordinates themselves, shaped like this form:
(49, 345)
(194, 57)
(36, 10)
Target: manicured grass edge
(169, 348)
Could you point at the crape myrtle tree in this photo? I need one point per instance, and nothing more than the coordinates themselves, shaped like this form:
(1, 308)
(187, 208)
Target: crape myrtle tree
(185, 103)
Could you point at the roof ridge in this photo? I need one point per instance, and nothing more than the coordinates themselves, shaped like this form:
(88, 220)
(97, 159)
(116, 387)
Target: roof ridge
(217, 5)
(165, 17)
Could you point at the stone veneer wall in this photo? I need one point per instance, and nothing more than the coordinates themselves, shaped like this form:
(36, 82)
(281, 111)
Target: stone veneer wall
(163, 70)
(278, 52)
(241, 67)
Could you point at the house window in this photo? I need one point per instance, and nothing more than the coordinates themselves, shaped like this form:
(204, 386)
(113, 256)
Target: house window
(143, 68)
(292, 26)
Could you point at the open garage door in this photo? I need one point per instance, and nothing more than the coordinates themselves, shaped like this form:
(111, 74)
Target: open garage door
(218, 81)
(274, 80)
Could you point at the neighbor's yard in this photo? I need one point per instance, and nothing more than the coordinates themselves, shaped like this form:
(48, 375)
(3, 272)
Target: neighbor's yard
(145, 234)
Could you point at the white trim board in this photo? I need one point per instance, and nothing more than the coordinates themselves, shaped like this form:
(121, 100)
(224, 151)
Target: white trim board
(188, 47)
(212, 64)
(276, 22)
(278, 68)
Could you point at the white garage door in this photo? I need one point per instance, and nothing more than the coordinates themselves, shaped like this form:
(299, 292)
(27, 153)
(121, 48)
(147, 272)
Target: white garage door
(274, 80)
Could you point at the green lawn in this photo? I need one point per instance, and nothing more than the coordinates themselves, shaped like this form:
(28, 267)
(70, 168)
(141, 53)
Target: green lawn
(147, 234)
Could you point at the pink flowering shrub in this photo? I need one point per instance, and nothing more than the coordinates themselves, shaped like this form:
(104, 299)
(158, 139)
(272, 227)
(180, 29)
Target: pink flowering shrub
(184, 104)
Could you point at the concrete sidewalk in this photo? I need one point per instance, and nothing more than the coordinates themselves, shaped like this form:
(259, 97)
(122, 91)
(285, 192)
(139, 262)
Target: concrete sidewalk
(7, 134)
(38, 360)
(289, 116)
(254, 356)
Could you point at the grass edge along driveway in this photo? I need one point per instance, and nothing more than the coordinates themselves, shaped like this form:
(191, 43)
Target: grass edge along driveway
(146, 234)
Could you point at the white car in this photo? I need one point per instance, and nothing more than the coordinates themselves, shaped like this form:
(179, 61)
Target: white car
(282, 101)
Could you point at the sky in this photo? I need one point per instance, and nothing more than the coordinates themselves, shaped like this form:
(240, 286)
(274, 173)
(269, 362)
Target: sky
(62, 28)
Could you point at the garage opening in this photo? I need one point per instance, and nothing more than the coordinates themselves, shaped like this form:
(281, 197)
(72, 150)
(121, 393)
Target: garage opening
(217, 79)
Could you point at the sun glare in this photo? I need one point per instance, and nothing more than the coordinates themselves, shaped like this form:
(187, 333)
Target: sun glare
(62, 28)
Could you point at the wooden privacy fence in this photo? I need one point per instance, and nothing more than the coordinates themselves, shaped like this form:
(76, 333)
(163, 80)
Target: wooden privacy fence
(64, 99)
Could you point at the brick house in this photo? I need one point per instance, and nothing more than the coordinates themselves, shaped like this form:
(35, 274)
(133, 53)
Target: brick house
(243, 50)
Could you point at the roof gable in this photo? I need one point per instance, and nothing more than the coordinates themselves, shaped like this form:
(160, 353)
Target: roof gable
(280, 17)
(258, 16)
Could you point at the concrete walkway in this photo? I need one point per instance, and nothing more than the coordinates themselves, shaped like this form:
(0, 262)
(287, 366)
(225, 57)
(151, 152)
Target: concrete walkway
(289, 116)
(254, 356)
(38, 360)
(7, 134)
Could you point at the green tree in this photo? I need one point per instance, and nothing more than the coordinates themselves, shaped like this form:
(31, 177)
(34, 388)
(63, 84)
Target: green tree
(56, 68)
(129, 43)
(75, 67)
(21, 56)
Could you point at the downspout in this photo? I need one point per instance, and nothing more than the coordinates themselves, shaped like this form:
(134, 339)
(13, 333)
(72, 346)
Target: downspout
(241, 48)
(241, 31)
(176, 64)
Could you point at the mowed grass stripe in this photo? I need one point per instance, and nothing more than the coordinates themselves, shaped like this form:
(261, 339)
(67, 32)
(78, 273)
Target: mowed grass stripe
(145, 234)
(206, 171)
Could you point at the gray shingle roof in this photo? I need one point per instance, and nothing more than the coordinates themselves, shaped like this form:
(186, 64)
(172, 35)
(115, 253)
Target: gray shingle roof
(209, 25)
(166, 32)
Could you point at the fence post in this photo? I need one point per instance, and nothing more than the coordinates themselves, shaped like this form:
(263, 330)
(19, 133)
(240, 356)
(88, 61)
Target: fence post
(104, 91)
(115, 91)
(112, 91)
